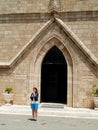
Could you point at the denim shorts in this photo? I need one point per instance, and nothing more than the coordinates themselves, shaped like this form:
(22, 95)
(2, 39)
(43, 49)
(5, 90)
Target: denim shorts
(34, 106)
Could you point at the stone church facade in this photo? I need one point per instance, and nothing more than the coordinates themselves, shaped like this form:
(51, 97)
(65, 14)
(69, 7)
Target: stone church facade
(51, 45)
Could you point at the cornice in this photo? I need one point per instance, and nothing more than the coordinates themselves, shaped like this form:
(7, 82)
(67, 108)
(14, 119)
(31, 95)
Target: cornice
(43, 17)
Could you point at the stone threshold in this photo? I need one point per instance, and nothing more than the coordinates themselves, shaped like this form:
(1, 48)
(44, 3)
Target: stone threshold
(52, 105)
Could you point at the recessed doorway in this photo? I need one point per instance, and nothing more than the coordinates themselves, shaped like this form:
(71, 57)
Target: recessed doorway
(54, 77)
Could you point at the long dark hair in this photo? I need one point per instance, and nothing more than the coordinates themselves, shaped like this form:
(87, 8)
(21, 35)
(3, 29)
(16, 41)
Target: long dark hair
(36, 89)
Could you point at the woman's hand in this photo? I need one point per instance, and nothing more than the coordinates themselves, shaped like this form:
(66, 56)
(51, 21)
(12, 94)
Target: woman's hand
(34, 93)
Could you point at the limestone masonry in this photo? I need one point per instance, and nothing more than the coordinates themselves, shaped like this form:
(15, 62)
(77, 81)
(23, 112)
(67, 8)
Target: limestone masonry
(30, 28)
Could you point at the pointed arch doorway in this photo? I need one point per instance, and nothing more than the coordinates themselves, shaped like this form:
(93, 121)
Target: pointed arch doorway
(54, 77)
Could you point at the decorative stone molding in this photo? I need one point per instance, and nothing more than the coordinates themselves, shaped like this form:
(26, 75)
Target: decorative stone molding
(54, 6)
(44, 17)
(79, 46)
(42, 48)
(10, 64)
(54, 36)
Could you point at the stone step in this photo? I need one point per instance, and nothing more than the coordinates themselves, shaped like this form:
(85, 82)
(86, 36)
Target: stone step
(52, 105)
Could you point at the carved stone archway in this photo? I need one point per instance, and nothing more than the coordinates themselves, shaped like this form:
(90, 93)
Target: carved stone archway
(35, 69)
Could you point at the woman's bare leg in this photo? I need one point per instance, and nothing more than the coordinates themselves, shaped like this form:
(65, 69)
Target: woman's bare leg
(33, 113)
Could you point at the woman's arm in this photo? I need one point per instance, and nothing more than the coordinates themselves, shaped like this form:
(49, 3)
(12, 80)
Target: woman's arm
(36, 96)
(32, 96)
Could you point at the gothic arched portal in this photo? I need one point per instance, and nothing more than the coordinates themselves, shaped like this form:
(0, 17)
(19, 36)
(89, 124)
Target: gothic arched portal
(54, 77)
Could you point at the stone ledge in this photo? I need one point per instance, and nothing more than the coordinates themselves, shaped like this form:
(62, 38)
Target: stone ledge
(43, 17)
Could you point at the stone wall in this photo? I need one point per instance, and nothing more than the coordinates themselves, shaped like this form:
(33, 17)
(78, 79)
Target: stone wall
(85, 80)
(13, 37)
(26, 38)
(87, 31)
(79, 5)
(19, 81)
(23, 6)
(29, 6)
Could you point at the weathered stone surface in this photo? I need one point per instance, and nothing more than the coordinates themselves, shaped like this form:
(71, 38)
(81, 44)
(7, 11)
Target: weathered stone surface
(87, 31)
(26, 38)
(79, 5)
(29, 6)
(54, 5)
(13, 37)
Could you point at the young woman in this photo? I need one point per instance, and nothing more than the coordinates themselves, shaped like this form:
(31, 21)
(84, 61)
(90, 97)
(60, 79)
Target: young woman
(34, 103)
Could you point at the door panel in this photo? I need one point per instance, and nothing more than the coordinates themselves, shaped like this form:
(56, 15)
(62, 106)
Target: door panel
(54, 77)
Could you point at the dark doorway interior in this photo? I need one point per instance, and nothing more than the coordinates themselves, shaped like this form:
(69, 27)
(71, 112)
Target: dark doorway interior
(54, 77)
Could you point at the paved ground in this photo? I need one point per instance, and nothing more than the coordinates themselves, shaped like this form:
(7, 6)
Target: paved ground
(48, 111)
(20, 122)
